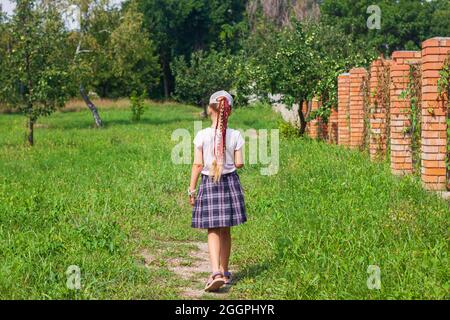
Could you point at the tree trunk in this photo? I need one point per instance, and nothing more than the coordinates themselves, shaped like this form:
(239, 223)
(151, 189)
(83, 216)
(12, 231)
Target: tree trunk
(166, 75)
(91, 106)
(30, 132)
(303, 116)
(166, 85)
(205, 111)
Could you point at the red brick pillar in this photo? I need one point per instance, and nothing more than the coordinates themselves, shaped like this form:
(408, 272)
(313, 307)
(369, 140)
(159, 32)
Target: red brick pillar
(314, 130)
(333, 126)
(323, 132)
(343, 109)
(434, 115)
(379, 106)
(400, 109)
(357, 78)
(322, 127)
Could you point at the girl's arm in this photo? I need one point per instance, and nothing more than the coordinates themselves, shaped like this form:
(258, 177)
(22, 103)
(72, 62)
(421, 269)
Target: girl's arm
(196, 170)
(238, 159)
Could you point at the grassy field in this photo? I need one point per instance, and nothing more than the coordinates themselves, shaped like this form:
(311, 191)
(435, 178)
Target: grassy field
(99, 198)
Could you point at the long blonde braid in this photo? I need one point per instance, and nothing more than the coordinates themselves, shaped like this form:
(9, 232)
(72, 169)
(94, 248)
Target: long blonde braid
(224, 111)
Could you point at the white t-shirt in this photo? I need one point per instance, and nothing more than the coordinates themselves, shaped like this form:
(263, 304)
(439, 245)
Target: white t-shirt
(205, 140)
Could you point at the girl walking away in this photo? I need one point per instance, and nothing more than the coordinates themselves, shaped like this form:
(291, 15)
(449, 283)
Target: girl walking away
(219, 204)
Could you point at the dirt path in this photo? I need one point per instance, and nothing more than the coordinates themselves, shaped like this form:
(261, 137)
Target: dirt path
(194, 268)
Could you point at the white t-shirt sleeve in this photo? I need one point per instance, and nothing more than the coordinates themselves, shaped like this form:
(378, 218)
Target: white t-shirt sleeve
(239, 140)
(198, 140)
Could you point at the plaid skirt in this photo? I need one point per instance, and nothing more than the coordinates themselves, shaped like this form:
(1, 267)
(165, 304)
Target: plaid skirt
(219, 204)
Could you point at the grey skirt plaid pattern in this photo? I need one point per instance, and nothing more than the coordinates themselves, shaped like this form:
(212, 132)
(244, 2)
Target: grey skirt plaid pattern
(219, 204)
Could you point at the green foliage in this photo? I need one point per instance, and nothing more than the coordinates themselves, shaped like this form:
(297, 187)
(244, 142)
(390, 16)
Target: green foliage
(203, 74)
(115, 53)
(132, 56)
(444, 94)
(287, 130)
(285, 64)
(404, 24)
(35, 70)
(334, 53)
(300, 63)
(137, 106)
(35, 76)
(413, 93)
(179, 28)
(444, 79)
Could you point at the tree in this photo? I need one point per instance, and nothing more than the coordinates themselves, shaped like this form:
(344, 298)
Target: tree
(35, 75)
(404, 23)
(131, 56)
(300, 62)
(202, 75)
(113, 52)
(84, 60)
(287, 66)
(3, 41)
(292, 70)
(334, 53)
(182, 27)
(440, 21)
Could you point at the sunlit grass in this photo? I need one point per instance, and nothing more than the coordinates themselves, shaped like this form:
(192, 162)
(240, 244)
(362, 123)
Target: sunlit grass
(97, 198)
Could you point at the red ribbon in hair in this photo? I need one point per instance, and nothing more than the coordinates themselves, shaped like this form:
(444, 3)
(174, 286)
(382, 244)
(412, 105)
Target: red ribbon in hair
(221, 127)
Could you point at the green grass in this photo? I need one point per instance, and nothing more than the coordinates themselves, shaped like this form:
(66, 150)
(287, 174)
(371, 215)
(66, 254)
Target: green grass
(97, 198)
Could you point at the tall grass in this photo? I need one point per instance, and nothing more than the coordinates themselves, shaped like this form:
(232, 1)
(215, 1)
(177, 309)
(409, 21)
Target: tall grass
(97, 198)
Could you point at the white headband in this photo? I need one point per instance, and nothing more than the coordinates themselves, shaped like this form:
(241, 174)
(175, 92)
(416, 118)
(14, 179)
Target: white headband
(219, 94)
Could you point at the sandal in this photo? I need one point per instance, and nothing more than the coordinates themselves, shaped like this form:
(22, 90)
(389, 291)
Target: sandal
(215, 281)
(228, 280)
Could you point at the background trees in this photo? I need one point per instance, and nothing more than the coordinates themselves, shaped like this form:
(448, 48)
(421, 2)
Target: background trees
(182, 27)
(203, 74)
(34, 71)
(300, 62)
(113, 53)
(186, 49)
(405, 23)
(132, 58)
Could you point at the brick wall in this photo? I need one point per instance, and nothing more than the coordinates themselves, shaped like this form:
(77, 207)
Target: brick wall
(317, 128)
(379, 106)
(356, 107)
(400, 112)
(390, 123)
(314, 123)
(343, 109)
(333, 123)
(434, 115)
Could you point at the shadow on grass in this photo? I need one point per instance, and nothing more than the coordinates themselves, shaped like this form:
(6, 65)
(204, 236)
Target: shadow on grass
(249, 272)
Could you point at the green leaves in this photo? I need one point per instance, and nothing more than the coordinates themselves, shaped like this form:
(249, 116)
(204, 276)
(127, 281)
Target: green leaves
(301, 63)
(404, 24)
(137, 106)
(204, 74)
(34, 68)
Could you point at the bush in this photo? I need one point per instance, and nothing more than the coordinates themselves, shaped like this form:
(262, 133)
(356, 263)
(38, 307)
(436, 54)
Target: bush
(287, 130)
(137, 106)
(204, 74)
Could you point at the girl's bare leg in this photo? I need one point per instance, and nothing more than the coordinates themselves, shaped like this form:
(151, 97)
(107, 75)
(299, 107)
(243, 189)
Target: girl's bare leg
(214, 248)
(225, 248)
